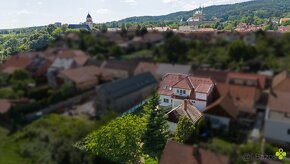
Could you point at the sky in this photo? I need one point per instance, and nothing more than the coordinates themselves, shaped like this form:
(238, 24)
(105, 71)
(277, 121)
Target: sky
(27, 13)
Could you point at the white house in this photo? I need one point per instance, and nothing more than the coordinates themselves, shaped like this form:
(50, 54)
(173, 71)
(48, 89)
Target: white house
(277, 124)
(175, 88)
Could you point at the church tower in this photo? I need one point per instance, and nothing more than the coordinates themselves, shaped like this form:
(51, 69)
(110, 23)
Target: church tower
(89, 21)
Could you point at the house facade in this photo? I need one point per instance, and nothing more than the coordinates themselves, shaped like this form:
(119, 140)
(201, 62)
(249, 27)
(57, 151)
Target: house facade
(175, 88)
(277, 123)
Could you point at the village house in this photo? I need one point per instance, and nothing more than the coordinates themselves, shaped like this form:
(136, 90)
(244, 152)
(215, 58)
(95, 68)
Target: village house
(58, 65)
(16, 62)
(39, 66)
(186, 109)
(177, 153)
(278, 111)
(174, 88)
(246, 91)
(83, 78)
(63, 60)
(222, 112)
(123, 95)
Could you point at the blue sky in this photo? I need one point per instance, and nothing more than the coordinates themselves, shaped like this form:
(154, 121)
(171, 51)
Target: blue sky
(25, 13)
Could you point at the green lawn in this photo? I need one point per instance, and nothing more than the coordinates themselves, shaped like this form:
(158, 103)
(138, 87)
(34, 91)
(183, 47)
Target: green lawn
(8, 154)
(3, 133)
(219, 146)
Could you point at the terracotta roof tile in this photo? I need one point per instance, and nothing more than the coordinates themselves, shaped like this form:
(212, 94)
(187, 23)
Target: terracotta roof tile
(176, 153)
(17, 61)
(218, 76)
(204, 88)
(260, 78)
(244, 97)
(224, 106)
(279, 101)
(183, 81)
(168, 82)
(82, 74)
(187, 109)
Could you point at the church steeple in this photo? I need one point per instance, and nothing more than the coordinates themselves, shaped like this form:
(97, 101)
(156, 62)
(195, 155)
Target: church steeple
(89, 21)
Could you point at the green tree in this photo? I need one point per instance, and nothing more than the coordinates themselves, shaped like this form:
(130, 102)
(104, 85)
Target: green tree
(156, 133)
(104, 28)
(57, 32)
(175, 49)
(50, 28)
(119, 141)
(48, 140)
(185, 130)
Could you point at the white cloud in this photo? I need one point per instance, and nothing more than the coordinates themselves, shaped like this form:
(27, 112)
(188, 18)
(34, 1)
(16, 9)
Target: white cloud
(103, 11)
(170, 1)
(23, 12)
(131, 2)
(190, 6)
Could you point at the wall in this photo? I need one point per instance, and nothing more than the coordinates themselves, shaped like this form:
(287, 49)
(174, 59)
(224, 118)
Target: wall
(277, 130)
(187, 92)
(124, 103)
(162, 103)
(200, 105)
(176, 102)
(201, 96)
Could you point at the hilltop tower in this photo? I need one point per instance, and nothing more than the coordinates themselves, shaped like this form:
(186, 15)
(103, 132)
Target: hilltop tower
(89, 21)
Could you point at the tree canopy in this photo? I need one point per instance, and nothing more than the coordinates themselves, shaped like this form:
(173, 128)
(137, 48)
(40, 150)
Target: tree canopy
(119, 141)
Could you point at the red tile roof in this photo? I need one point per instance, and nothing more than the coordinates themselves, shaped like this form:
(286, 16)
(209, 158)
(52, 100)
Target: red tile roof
(279, 101)
(10, 70)
(244, 76)
(168, 82)
(176, 153)
(218, 76)
(244, 97)
(17, 61)
(281, 82)
(5, 105)
(81, 74)
(187, 109)
(224, 106)
(183, 81)
(204, 88)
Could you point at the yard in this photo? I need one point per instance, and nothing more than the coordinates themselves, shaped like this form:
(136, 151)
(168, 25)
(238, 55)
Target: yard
(218, 145)
(7, 152)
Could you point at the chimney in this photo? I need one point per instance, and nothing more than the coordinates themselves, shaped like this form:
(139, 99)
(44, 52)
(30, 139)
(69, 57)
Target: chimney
(185, 104)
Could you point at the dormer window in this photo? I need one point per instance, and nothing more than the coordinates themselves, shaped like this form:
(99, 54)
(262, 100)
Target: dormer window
(170, 88)
(184, 92)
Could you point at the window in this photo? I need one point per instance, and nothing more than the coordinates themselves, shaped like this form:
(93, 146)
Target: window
(177, 90)
(289, 131)
(166, 100)
(183, 91)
